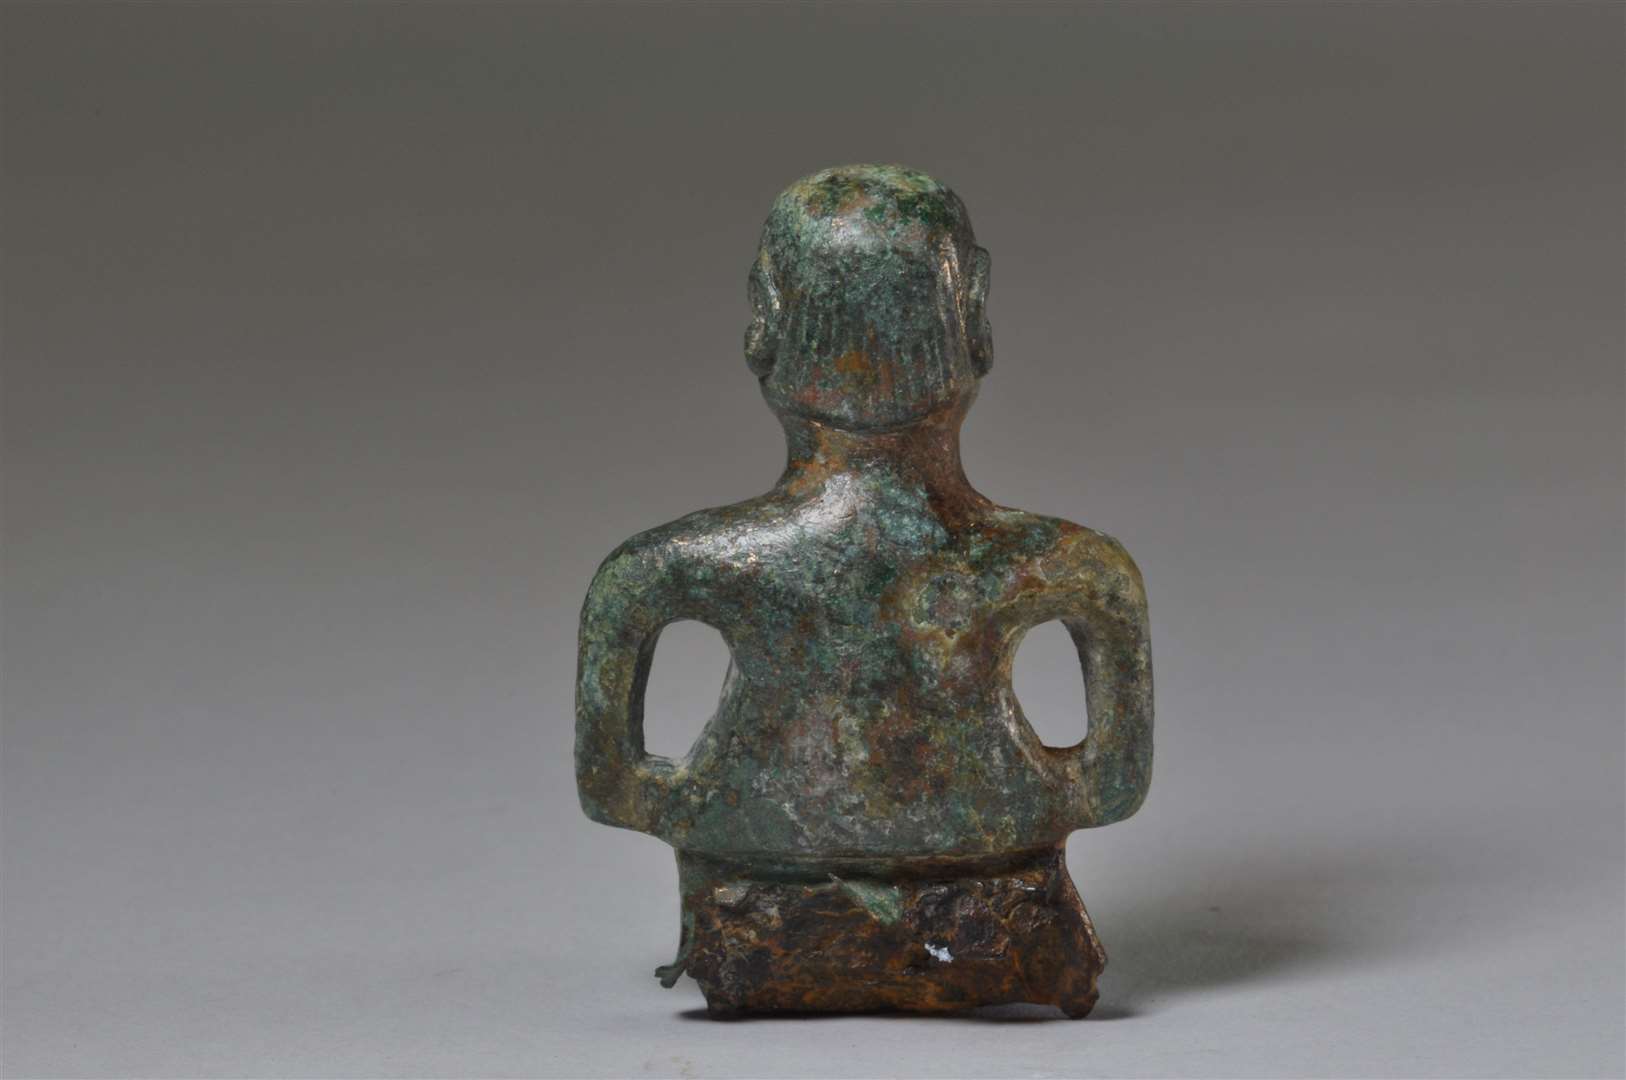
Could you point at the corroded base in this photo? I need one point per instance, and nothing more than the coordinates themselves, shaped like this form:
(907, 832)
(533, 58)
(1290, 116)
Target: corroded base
(930, 938)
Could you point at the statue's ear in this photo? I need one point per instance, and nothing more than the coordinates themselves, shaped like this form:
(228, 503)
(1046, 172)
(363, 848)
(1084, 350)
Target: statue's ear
(981, 343)
(762, 336)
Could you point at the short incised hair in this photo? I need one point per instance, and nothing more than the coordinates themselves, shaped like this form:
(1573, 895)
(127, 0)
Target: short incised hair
(868, 297)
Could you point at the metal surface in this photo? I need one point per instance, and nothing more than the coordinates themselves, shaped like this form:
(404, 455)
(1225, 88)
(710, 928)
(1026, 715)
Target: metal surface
(868, 742)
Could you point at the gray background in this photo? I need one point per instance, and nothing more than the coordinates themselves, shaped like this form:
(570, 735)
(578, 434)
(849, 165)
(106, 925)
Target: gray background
(342, 341)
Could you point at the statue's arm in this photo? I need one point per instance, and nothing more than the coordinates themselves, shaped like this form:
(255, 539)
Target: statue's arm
(1108, 623)
(618, 783)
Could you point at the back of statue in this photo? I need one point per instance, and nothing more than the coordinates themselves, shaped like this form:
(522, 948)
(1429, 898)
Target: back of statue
(872, 603)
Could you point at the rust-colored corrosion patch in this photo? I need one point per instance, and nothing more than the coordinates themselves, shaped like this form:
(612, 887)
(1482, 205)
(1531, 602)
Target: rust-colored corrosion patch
(931, 944)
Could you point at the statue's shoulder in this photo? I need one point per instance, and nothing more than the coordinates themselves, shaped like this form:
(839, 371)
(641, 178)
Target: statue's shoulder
(702, 538)
(1066, 553)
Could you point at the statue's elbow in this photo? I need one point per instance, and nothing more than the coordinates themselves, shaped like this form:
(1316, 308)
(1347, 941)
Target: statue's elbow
(1124, 806)
(602, 799)
(598, 809)
(607, 804)
(614, 794)
(1118, 796)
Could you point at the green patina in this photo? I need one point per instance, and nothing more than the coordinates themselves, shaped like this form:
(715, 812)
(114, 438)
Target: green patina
(873, 601)
(884, 902)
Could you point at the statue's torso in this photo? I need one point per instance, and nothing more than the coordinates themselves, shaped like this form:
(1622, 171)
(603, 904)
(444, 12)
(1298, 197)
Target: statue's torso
(868, 710)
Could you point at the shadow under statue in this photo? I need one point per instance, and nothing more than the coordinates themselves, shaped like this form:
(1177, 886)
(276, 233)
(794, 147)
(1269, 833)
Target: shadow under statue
(868, 821)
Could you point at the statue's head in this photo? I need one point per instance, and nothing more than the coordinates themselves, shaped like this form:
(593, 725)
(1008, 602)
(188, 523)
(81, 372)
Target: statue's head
(867, 299)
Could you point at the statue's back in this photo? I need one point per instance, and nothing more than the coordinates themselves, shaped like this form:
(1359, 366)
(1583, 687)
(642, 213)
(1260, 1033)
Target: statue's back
(869, 821)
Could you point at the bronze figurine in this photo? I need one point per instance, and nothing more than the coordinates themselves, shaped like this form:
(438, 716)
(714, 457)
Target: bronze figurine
(868, 821)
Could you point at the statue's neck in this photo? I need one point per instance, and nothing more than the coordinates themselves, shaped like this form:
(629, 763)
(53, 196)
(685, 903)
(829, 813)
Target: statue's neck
(924, 454)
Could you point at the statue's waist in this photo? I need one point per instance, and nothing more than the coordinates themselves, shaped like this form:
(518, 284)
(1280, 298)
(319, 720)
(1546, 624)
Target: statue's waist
(815, 815)
(771, 866)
